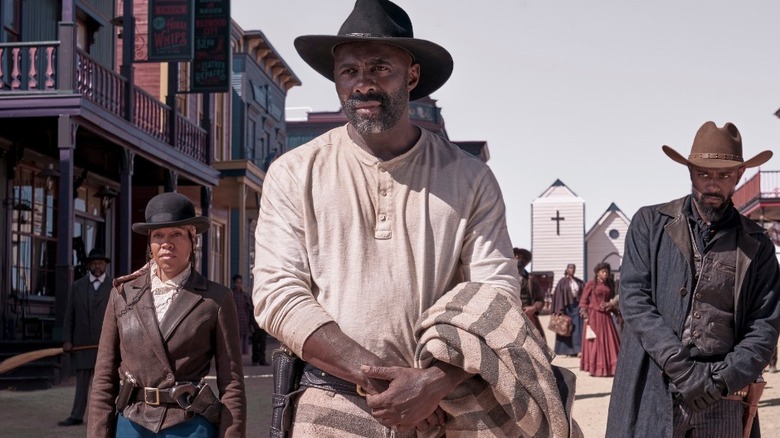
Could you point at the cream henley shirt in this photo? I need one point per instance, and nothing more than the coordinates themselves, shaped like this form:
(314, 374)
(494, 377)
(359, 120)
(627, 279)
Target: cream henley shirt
(343, 236)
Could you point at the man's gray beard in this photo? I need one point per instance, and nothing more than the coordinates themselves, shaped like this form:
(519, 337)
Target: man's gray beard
(709, 212)
(389, 115)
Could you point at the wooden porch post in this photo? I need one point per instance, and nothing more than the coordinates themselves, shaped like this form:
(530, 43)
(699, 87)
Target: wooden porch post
(128, 56)
(205, 206)
(125, 202)
(243, 246)
(66, 142)
(66, 54)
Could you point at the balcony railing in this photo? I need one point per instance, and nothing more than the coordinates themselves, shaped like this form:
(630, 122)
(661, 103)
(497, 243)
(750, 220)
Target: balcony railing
(31, 68)
(99, 84)
(762, 185)
(28, 66)
(151, 115)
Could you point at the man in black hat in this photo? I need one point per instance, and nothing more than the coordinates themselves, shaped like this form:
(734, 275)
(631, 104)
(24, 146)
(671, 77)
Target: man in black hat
(700, 299)
(83, 321)
(531, 294)
(365, 228)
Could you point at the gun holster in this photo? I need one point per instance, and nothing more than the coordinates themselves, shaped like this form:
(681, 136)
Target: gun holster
(127, 387)
(199, 399)
(287, 368)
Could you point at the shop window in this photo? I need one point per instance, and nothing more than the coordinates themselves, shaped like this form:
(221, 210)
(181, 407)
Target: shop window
(33, 235)
(217, 260)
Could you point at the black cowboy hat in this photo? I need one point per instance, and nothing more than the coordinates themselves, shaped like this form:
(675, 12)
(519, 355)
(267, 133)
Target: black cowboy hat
(97, 254)
(715, 147)
(385, 22)
(171, 209)
(522, 252)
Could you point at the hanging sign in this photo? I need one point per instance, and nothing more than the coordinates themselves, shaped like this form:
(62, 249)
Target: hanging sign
(210, 70)
(170, 30)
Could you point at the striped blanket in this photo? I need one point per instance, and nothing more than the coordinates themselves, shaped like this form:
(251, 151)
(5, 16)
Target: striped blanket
(516, 393)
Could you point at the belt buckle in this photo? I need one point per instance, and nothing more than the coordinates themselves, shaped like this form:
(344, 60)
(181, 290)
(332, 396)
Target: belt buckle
(156, 392)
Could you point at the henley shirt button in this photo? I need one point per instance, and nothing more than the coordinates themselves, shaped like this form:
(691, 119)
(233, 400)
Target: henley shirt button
(696, 334)
(697, 315)
(382, 218)
(383, 193)
(683, 291)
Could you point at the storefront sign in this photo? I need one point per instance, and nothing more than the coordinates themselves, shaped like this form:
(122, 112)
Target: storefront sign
(210, 70)
(170, 30)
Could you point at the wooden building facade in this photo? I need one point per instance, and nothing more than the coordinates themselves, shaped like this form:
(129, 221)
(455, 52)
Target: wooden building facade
(89, 133)
(605, 241)
(557, 231)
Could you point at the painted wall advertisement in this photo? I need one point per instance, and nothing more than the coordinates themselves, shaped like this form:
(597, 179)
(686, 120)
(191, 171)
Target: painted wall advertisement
(210, 70)
(170, 30)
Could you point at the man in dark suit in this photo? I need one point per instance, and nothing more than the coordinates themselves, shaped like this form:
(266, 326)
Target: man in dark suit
(83, 321)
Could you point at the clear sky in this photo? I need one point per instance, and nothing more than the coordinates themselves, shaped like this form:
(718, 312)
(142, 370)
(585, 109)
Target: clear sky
(582, 91)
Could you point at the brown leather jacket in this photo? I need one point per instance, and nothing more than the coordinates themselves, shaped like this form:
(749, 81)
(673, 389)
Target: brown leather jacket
(200, 325)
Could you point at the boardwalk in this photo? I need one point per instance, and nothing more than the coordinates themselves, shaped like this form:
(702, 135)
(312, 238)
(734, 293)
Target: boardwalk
(35, 414)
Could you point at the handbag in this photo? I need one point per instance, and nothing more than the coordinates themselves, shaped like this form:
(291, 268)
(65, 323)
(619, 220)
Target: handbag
(589, 333)
(561, 324)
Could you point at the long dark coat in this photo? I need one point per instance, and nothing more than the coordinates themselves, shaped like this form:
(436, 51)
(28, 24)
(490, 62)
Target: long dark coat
(199, 326)
(562, 296)
(656, 277)
(84, 319)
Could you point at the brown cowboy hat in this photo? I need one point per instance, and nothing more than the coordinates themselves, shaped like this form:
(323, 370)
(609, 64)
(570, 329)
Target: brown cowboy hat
(171, 209)
(380, 21)
(715, 147)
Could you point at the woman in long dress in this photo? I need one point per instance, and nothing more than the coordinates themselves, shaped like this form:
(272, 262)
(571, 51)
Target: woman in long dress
(599, 353)
(566, 300)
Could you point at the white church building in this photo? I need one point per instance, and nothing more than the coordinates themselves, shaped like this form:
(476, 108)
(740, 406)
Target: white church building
(558, 235)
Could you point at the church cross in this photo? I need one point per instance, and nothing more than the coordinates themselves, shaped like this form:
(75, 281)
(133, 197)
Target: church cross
(557, 220)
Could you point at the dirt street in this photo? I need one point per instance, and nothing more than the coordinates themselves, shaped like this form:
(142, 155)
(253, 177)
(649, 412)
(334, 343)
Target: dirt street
(35, 414)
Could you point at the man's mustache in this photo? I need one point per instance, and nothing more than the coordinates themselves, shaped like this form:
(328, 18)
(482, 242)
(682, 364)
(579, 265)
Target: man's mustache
(382, 98)
(714, 195)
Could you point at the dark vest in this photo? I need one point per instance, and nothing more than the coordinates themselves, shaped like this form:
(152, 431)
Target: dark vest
(710, 322)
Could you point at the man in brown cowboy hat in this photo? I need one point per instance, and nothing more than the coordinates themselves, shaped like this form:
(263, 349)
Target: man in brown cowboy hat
(84, 312)
(362, 230)
(700, 289)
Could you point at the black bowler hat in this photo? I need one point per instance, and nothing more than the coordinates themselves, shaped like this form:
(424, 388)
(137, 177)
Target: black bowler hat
(97, 254)
(171, 209)
(385, 22)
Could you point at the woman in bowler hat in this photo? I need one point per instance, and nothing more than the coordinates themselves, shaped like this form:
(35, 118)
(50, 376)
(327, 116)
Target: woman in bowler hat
(164, 325)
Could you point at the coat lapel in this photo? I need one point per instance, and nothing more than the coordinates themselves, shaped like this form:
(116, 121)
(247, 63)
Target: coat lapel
(188, 298)
(145, 312)
(678, 229)
(180, 307)
(101, 295)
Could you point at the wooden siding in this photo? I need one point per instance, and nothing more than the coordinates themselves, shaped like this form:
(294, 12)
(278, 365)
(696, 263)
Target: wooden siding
(601, 247)
(39, 20)
(553, 251)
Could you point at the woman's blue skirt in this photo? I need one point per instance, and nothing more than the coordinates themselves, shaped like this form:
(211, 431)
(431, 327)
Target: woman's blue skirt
(570, 345)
